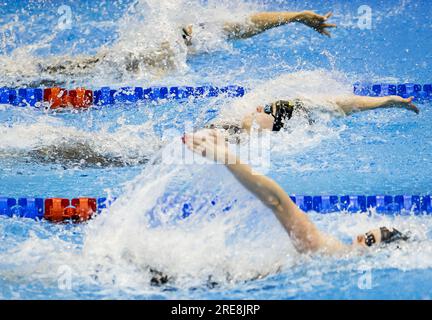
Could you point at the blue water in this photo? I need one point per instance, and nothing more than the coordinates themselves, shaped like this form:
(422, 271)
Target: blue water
(377, 152)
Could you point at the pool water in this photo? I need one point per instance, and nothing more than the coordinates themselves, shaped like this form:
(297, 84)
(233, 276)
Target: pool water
(117, 150)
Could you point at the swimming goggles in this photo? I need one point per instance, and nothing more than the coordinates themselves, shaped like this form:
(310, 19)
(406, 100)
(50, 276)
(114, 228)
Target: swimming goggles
(283, 112)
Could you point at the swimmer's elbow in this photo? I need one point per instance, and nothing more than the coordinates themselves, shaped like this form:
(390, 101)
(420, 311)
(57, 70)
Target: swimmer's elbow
(269, 193)
(271, 201)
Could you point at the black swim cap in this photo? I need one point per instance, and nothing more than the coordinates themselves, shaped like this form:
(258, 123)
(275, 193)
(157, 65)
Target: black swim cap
(388, 236)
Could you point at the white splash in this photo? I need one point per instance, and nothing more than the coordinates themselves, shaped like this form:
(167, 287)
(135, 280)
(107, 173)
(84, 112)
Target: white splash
(52, 139)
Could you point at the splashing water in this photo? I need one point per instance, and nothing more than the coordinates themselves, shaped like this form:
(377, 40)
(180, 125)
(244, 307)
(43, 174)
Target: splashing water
(209, 246)
(51, 140)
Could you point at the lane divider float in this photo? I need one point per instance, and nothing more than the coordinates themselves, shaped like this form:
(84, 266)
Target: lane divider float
(406, 90)
(84, 208)
(83, 98)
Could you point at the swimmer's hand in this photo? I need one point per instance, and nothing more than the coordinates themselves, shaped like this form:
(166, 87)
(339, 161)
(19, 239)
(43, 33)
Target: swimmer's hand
(210, 144)
(316, 21)
(407, 104)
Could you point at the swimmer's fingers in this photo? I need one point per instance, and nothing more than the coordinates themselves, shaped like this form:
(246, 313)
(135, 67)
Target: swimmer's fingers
(217, 136)
(198, 139)
(188, 141)
(322, 29)
(329, 25)
(209, 135)
(195, 146)
(326, 33)
(328, 15)
(209, 144)
(317, 17)
(407, 103)
(320, 25)
(412, 106)
(317, 22)
(415, 109)
(192, 141)
(213, 133)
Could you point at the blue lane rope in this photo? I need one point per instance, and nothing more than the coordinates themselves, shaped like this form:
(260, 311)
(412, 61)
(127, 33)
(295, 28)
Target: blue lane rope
(34, 208)
(108, 96)
(406, 90)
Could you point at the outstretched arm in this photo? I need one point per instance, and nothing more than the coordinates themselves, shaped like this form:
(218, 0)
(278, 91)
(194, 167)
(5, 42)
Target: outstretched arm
(304, 234)
(260, 22)
(353, 103)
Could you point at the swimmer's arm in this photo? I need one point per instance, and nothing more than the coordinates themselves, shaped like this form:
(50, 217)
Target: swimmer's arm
(305, 235)
(260, 22)
(353, 103)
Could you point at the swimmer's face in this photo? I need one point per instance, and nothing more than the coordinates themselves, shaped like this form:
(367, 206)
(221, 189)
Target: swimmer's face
(262, 109)
(264, 115)
(263, 120)
(374, 237)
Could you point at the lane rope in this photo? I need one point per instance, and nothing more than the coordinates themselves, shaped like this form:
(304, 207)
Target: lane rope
(84, 208)
(405, 90)
(83, 98)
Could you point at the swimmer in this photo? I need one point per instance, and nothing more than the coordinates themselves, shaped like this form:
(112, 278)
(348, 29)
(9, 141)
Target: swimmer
(162, 59)
(259, 22)
(275, 115)
(305, 236)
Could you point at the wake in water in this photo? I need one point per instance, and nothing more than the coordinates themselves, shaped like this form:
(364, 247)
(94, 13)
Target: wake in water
(51, 141)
